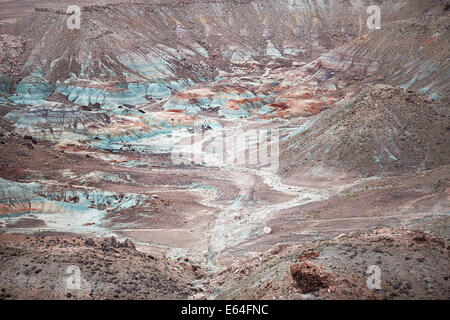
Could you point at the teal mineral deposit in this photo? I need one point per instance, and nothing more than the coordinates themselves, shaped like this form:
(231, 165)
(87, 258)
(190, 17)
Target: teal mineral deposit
(70, 210)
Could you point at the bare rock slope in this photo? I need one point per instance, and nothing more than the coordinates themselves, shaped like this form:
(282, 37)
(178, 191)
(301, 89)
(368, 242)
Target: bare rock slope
(383, 130)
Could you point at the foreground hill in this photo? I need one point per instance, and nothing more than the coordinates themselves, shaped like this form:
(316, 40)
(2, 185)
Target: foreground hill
(412, 261)
(38, 267)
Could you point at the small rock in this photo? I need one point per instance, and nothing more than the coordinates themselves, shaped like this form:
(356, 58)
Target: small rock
(129, 244)
(88, 224)
(110, 243)
(199, 296)
(222, 272)
(267, 230)
(89, 242)
(340, 236)
(310, 255)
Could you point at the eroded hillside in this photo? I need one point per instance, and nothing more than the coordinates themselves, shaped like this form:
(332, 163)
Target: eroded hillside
(110, 130)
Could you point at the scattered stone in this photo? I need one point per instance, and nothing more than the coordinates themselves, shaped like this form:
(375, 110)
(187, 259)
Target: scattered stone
(267, 230)
(311, 255)
(420, 237)
(199, 296)
(206, 127)
(278, 248)
(129, 244)
(110, 243)
(89, 242)
(340, 236)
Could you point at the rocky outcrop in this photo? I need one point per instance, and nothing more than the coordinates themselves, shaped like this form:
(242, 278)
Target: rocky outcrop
(308, 277)
(116, 273)
(112, 242)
